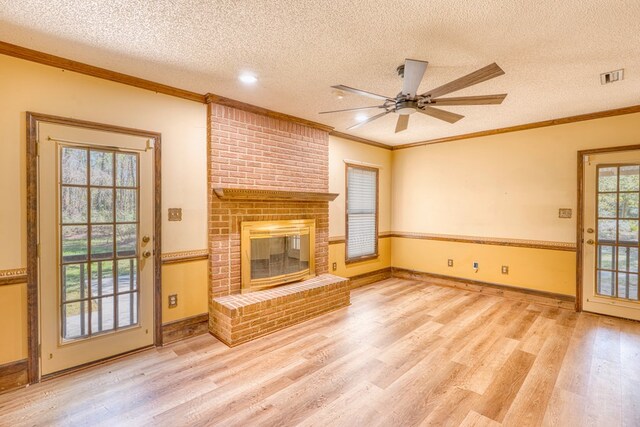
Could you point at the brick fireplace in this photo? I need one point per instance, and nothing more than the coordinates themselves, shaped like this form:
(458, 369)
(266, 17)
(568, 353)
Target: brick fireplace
(263, 167)
(276, 159)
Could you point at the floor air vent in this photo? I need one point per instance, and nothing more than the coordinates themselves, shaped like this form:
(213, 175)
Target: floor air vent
(611, 76)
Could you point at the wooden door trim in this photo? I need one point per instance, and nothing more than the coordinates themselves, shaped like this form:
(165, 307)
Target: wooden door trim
(32, 120)
(579, 214)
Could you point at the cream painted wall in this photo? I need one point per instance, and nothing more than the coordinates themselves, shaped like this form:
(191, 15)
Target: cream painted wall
(341, 150)
(27, 86)
(509, 185)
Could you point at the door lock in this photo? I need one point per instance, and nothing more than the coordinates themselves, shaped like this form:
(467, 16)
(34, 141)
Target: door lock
(146, 239)
(590, 242)
(589, 230)
(146, 254)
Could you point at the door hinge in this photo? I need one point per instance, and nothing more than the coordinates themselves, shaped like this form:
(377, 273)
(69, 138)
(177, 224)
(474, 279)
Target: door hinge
(38, 250)
(39, 350)
(38, 149)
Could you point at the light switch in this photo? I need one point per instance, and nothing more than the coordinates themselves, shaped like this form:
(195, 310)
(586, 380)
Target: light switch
(564, 213)
(175, 214)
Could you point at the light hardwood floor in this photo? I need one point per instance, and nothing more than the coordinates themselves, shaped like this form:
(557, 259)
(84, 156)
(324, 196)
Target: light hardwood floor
(404, 353)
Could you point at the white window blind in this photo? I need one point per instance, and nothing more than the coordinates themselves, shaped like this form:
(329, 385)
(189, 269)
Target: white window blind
(362, 203)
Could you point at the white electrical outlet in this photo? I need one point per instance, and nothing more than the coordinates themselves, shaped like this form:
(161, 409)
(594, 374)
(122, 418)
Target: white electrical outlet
(450, 262)
(505, 269)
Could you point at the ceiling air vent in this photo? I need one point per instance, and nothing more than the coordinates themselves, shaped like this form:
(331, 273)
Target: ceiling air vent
(611, 76)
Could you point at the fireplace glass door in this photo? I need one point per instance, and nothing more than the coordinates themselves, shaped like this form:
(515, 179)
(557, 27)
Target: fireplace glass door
(276, 252)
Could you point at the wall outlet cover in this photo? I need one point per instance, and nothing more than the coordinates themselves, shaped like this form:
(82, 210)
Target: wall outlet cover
(476, 265)
(173, 300)
(505, 269)
(334, 266)
(450, 262)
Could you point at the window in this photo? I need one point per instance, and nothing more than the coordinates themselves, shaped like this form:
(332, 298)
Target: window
(361, 213)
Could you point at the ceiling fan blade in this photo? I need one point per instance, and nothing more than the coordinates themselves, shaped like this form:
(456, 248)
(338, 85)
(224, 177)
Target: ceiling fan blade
(413, 73)
(478, 76)
(370, 119)
(361, 92)
(351, 109)
(470, 100)
(403, 122)
(447, 116)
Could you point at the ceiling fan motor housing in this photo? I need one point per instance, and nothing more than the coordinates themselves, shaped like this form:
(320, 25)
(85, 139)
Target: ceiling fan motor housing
(406, 107)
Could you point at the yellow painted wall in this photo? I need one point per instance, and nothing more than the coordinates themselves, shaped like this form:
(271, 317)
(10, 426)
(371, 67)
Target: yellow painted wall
(27, 86)
(13, 322)
(508, 186)
(540, 269)
(337, 255)
(340, 151)
(185, 280)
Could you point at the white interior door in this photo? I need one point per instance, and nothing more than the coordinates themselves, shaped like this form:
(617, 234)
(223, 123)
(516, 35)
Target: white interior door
(610, 234)
(96, 226)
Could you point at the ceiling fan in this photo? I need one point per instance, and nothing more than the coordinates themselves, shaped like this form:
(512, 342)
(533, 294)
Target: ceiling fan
(408, 101)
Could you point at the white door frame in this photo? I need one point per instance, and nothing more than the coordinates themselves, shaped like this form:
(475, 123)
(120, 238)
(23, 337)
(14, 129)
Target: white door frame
(33, 286)
(580, 213)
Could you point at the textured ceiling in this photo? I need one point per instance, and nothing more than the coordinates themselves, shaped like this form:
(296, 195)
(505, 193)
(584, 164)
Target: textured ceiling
(552, 52)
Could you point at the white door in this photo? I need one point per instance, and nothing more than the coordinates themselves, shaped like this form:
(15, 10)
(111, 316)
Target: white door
(610, 234)
(95, 204)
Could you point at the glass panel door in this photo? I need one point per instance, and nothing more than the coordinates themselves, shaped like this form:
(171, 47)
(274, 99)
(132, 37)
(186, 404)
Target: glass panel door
(99, 227)
(617, 240)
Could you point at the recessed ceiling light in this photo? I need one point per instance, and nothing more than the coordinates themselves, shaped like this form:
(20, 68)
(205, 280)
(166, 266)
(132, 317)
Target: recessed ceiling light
(247, 78)
(361, 117)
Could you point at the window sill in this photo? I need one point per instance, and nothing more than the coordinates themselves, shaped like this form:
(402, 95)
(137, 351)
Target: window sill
(361, 259)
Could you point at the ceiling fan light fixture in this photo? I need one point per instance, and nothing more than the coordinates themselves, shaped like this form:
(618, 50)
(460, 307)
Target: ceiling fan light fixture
(247, 78)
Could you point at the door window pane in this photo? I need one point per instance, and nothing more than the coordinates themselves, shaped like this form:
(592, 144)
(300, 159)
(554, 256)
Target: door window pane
(127, 309)
(629, 178)
(608, 179)
(607, 230)
(74, 165)
(74, 205)
(605, 258)
(126, 205)
(628, 230)
(101, 168)
(127, 274)
(101, 278)
(627, 259)
(126, 239)
(102, 315)
(101, 241)
(126, 170)
(74, 243)
(74, 282)
(628, 205)
(75, 319)
(101, 205)
(605, 283)
(607, 205)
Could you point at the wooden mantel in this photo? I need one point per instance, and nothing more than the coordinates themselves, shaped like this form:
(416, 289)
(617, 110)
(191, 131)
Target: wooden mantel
(290, 196)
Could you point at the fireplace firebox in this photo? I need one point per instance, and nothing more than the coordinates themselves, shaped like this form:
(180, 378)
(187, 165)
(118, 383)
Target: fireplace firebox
(276, 252)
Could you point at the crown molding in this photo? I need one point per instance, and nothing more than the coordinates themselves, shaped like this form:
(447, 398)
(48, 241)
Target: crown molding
(360, 140)
(211, 98)
(90, 70)
(553, 122)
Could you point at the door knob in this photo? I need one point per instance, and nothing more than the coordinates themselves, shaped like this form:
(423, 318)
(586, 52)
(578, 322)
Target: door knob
(590, 242)
(589, 230)
(146, 254)
(146, 239)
